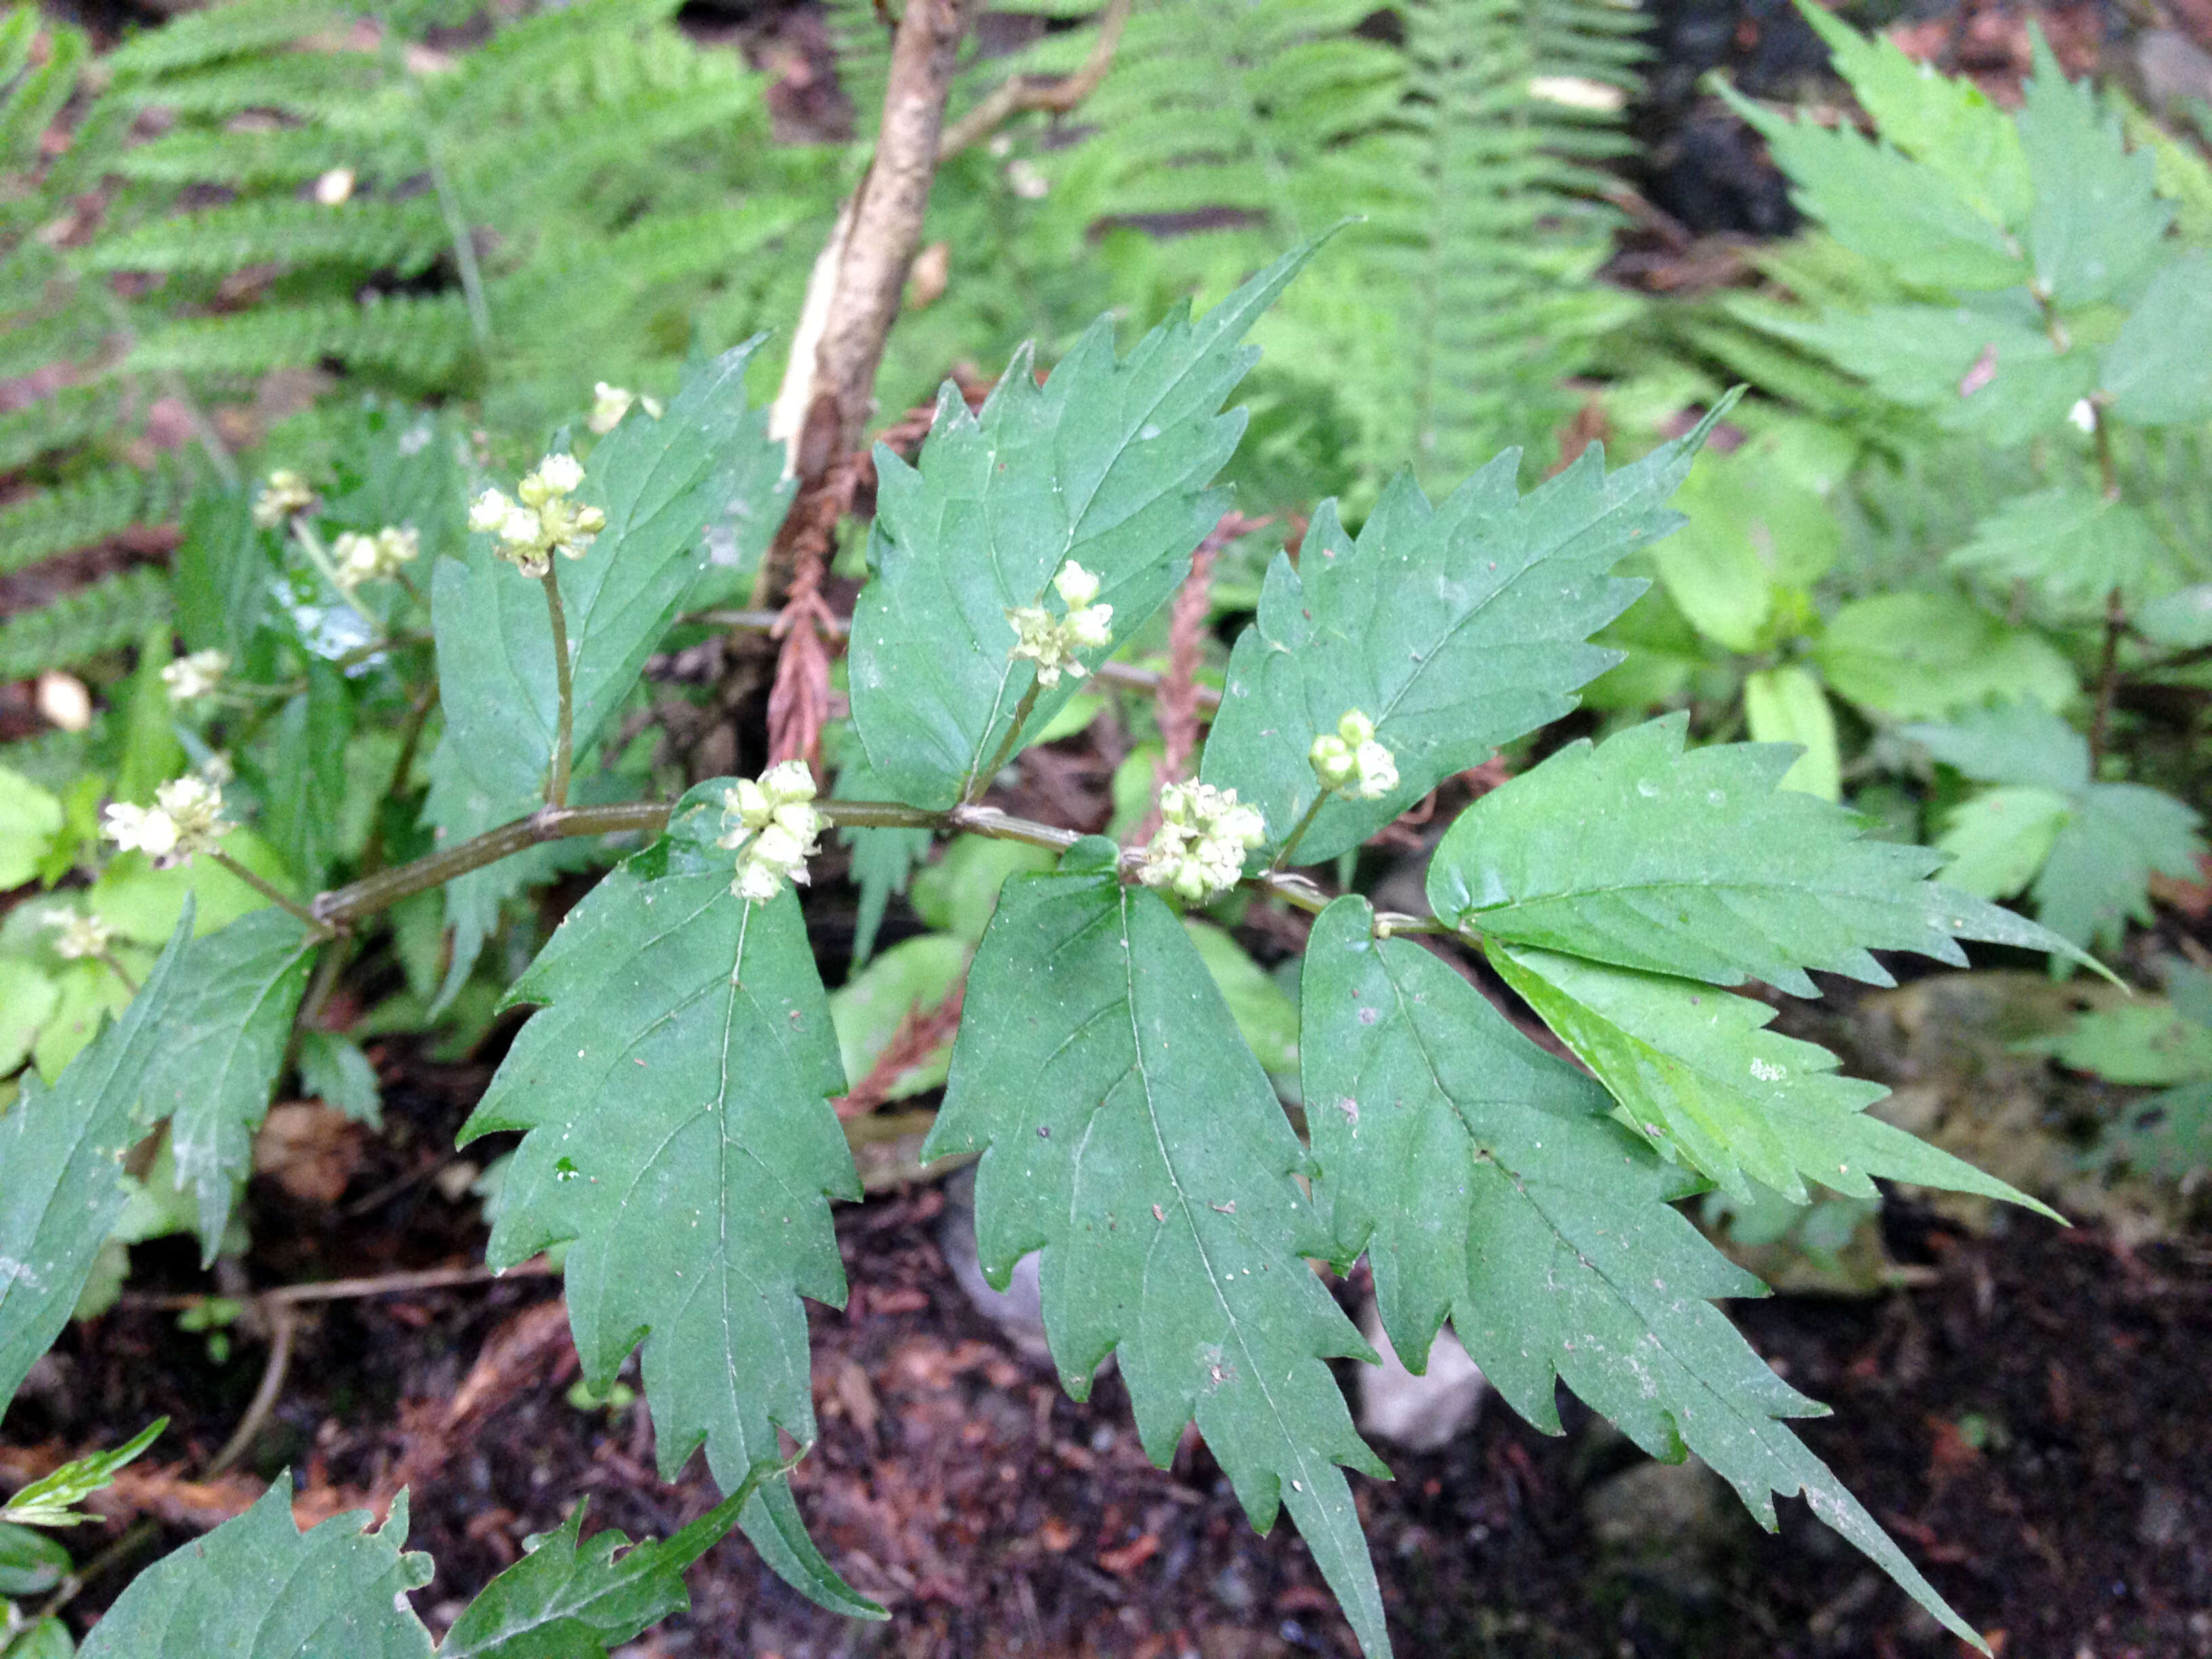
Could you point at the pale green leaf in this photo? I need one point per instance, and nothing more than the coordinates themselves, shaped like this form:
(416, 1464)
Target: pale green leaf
(673, 1093)
(30, 1564)
(62, 1149)
(1107, 464)
(333, 1070)
(958, 893)
(2180, 620)
(1129, 1133)
(2097, 878)
(1696, 863)
(52, 1499)
(2169, 1134)
(2140, 1042)
(1999, 839)
(257, 1585)
(1484, 1178)
(1787, 705)
(1266, 1017)
(2019, 742)
(2098, 218)
(224, 1035)
(30, 818)
(911, 978)
(1454, 628)
(2159, 371)
(1920, 655)
(2074, 544)
(305, 780)
(1697, 1073)
(27, 998)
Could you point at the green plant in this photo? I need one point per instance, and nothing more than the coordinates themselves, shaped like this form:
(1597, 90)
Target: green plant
(673, 1089)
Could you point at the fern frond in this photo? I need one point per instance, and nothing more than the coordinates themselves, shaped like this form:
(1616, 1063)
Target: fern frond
(71, 416)
(420, 341)
(282, 156)
(325, 85)
(101, 504)
(404, 237)
(53, 760)
(81, 624)
(38, 91)
(243, 27)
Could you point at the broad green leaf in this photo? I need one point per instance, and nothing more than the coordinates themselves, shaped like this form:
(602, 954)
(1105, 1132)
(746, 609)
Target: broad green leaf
(1759, 523)
(2140, 1043)
(673, 1093)
(1787, 705)
(661, 484)
(2159, 371)
(1942, 121)
(1697, 1073)
(142, 903)
(257, 1585)
(914, 976)
(30, 818)
(2098, 218)
(2073, 544)
(27, 998)
(1484, 1179)
(1920, 655)
(1106, 463)
(570, 1598)
(2097, 878)
(333, 1070)
(223, 1034)
(2180, 620)
(63, 1148)
(1999, 839)
(1695, 864)
(2019, 742)
(31, 1564)
(1129, 1133)
(1454, 628)
(1916, 221)
(52, 1499)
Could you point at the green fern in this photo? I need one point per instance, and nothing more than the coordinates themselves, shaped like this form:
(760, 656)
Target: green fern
(90, 509)
(105, 616)
(402, 237)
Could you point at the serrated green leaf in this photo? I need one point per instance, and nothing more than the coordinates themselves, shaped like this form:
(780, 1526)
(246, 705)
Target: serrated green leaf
(258, 1584)
(1697, 1073)
(569, 1598)
(2159, 371)
(1787, 705)
(1129, 1133)
(2140, 1042)
(333, 1070)
(1106, 463)
(1945, 122)
(1915, 221)
(1454, 629)
(224, 1035)
(661, 484)
(2015, 742)
(2098, 218)
(52, 1499)
(674, 1092)
(1758, 524)
(1998, 840)
(1920, 655)
(1484, 1178)
(2097, 878)
(2169, 1134)
(305, 775)
(2075, 544)
(1695, 864)
(62, 1148)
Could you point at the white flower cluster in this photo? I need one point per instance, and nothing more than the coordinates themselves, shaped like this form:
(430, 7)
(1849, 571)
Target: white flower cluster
(285, 493)
(80, 936)
(1351, 761)
(544, 521)
(1199, 846)
(190, 677)
(186, 819)
(1051, 642)
(611, 402)
(772, 825)
(371, 558)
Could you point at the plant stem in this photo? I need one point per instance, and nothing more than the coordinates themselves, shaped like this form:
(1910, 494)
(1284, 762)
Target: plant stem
(318, 556)
(269, 890)
(981, 778)
(107, 959)
(557, 786)
(2108, 470)
(1297, 834)
(386, 888)
(2116, 624)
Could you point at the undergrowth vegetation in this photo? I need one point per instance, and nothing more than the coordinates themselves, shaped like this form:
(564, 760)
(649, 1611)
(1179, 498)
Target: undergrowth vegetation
(407, 401)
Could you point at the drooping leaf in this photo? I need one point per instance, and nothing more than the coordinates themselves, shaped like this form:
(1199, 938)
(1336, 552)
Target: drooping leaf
(2097, 878)
(2016, 742)
(1106, 463)
(674, 1092)
(2073, 544)
(223, 1033)
(1921, 655)
(1485, 1179)
(1454, 628)
(2140, 1042)
(571, 1598)
(1787, 705)
(1999, 839)
(1697, 1073)
(62, 1149)
(2159, 371)
(661, 483)
(306, 778)
(2098, 218)
(882, 860)
(1695, 863)
(1129, 1133)
(258, 1584)
(52, 1499)
(333, 1070)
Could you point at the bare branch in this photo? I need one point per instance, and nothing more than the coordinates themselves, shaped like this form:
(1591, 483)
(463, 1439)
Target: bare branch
(1054, 94)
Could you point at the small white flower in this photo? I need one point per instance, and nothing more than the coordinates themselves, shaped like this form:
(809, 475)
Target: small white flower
(186, 819)
(140, 829)
(1204, 834)
(520, 524)
(1075, 585)
(194, 805)
(284, 494)
(217, 769)
(757, 882)
(611, 402)
(80, 936)
(2083, 415)
(195, 675)
(773, 825)
(1378, 771)
(560, 474)
(369, 558)
(1350, 759)
(489, 512)
(1051, 642)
